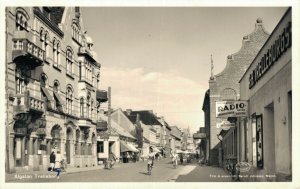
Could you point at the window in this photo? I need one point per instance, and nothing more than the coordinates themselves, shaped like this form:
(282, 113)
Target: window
(92, 108)
(46, 44)
(69, 100)
(56, 52)
(44, 37)
(44, 92)
(57, 100)
(81, 107)
(69, 60)
(20, 82)
(100, 147)
(88, 106)
(21, 21)
(76, 33)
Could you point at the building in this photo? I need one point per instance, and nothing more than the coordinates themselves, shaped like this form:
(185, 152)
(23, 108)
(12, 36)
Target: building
(151, 128)
(176, 141)
(52, 88)
(225, 86)
(166, 137)
(265, 135)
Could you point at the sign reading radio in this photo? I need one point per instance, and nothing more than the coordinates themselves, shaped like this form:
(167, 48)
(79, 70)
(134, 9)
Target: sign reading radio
(281, 44)
(231, 109)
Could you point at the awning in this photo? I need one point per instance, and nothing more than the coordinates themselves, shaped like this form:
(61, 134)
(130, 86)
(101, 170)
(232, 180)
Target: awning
(58, 98)
(46, 92)
(126, 147)
(133, 147)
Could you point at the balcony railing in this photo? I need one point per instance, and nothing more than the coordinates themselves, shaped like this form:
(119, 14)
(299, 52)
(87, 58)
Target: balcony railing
(24, 51)
(24, 103)
(101, 95)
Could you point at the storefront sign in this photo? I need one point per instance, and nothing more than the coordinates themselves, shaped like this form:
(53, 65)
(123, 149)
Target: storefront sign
(225, 125)
(275, 51)
(231, 109)
(199, 136)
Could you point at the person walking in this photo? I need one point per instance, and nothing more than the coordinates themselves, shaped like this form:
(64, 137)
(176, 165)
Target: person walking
(174, 160)
(150, 161)
(52, 160)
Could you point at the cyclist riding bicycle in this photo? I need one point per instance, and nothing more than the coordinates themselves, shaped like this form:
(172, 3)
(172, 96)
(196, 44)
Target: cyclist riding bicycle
(150, 161)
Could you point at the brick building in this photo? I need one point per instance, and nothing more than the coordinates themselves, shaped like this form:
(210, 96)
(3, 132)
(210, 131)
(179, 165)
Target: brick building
(52, 88)
(225, 86)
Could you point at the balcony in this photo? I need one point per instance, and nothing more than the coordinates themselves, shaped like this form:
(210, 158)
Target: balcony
(84, 51)
(24, 103)
(101, 125)
(24, 51)
(101, 95)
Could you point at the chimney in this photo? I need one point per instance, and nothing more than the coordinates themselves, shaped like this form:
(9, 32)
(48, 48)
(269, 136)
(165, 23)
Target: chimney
(128, 111)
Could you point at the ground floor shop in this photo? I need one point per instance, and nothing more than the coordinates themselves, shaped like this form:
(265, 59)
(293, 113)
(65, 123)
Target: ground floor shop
(31, 139)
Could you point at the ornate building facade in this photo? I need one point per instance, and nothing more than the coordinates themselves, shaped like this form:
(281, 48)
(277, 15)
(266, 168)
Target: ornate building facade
(52, 89)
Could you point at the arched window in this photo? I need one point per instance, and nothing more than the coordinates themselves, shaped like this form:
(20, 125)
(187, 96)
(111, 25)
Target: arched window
(76, 32)
(22, 75)
(44, 91)
(81, 107)
(21, 20)
(69, 60)
(92, 108)
(58, 53)
(57, 100)
(46, 44)
(88, 105)
(54, 44)
(69, 100)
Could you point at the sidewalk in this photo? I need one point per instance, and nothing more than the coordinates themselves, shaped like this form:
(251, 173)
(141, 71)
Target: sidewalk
(16, 176)
(205, 174)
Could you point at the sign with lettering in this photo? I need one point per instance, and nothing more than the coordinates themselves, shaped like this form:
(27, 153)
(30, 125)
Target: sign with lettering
(231, 108)
(199, 136)
(273, 53)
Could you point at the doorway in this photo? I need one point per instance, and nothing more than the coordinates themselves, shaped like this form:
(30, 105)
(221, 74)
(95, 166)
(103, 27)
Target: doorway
(269, 137)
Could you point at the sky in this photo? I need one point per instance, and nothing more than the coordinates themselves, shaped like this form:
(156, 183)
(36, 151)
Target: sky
(159, 58)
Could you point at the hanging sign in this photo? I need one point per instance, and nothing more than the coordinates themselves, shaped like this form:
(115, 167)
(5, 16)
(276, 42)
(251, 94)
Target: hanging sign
(231, 108)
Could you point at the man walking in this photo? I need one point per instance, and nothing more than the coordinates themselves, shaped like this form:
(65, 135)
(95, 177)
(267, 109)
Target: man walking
(52, 160)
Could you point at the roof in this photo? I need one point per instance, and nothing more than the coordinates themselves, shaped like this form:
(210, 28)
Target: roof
(265, 44)
(146, 116)
(56, 14)
(117, 127)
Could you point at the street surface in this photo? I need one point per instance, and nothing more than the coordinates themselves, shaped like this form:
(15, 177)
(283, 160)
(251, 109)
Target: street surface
(162, 171)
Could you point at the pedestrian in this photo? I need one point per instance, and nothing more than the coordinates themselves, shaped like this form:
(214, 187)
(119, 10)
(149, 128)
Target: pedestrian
(150, 161)
(57, 166)
(52, 160)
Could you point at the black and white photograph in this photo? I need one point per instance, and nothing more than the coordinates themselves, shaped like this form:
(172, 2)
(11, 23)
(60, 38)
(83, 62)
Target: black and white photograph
(149, 94)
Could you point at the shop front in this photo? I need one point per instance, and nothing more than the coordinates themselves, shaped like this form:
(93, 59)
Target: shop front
(265, 136)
